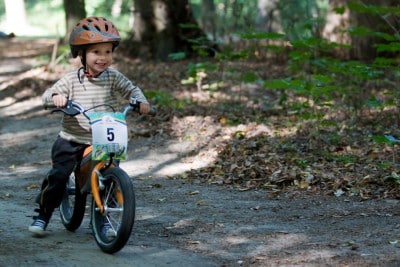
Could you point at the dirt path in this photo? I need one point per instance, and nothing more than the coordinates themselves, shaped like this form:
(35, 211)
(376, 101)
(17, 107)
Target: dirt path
(181, 222)
(184, 223)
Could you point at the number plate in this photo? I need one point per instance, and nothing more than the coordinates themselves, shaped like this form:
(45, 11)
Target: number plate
(109, 135)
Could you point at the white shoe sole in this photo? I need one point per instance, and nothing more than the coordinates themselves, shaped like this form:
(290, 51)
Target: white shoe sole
(37, 231)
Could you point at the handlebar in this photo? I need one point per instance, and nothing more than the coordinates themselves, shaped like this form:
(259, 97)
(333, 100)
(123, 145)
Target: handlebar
(74, 108)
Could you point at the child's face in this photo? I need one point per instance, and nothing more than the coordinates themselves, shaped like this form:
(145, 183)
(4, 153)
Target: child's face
(98, 58)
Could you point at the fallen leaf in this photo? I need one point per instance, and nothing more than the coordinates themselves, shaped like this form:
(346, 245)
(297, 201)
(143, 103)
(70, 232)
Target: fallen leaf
(339, 192)
(32, 186)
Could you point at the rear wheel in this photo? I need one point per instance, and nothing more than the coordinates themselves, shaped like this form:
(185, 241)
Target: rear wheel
(72, 208)
(113, 228)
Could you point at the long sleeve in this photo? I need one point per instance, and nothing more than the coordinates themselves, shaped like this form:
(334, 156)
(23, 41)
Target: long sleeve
(108, 89)
(62, 87)
(128, 89)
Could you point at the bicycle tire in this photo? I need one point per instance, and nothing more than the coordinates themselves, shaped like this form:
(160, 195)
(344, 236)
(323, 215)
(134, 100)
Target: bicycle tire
(118, 198)
(72, 207)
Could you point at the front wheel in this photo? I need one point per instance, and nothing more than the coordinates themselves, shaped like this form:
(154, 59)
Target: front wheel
(113, 228)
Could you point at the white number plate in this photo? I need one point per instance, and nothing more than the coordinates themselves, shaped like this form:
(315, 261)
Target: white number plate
(109, 135)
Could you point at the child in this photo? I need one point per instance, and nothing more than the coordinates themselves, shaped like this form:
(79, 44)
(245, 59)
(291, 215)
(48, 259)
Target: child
(93, 39)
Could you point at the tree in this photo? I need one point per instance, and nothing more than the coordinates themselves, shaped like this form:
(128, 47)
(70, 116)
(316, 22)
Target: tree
(268, 16)
(74, 11)
(351, 23)
(208, 17)
(366, 15)
(15, 16)
(162, 27)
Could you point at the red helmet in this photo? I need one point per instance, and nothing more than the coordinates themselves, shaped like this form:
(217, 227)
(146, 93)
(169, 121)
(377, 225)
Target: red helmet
(93, 30)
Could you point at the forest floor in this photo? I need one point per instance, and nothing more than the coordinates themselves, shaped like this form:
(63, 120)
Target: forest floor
(209, 192)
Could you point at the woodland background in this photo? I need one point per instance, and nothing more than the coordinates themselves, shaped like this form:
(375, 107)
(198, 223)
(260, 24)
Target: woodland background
(307, 89)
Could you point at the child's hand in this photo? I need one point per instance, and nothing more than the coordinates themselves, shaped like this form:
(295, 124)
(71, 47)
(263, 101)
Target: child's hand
(144, 108)
(59, 101)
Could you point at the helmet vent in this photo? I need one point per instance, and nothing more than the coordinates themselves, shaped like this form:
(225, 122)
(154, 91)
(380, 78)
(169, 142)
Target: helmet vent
(93, 30)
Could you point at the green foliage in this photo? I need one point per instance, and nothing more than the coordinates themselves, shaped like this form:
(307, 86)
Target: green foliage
(48, 16)
(230, 15)
(261, 35)
(164, 99)
(393, 47)
(197, 72)
(346, 159)
(302, 19)
(395, 177)
(177, 56)
(360, 7)
(316, 82)
(105, 9)
(381, 139)
(249, 77)
(2, 10)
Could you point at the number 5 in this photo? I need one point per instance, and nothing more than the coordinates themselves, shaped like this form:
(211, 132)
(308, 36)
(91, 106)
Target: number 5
(110, 134)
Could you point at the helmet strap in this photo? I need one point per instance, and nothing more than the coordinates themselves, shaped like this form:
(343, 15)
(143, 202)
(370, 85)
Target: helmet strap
(79, 75)
(83, 61)
(83, 58)
(88, 75)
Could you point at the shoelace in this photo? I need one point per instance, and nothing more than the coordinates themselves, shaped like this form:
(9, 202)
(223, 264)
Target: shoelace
(38, 225)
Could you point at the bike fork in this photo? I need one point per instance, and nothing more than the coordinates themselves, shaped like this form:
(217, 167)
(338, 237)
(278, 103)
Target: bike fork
(97, 185)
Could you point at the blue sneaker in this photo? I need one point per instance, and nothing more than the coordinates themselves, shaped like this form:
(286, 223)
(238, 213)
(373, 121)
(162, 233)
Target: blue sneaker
(108, 231)
(38, 227)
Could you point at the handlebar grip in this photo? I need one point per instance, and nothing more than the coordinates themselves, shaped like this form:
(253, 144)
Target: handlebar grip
(48, 106)
(69, 109)
(135, 103)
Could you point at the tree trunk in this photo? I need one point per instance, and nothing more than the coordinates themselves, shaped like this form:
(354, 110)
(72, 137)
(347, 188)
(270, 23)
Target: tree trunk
(116, 8)
(362, 46)
(16, 16)
(162, 27)
(74, 12)
(268, 19)
(208, 18)
(334, 26)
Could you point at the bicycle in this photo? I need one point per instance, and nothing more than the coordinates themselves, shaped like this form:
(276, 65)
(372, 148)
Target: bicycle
(112, 192)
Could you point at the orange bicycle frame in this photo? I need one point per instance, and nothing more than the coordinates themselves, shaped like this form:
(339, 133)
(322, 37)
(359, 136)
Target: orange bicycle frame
(86, 170)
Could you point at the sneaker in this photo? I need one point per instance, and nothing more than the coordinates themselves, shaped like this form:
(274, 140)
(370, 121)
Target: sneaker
(38, 227)
(108, 231)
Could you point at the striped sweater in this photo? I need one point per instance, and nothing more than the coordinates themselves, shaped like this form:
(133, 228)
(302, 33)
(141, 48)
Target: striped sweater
(108, 88)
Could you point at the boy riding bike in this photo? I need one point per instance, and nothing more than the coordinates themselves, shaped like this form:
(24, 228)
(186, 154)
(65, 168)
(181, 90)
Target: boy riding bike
(93, 40)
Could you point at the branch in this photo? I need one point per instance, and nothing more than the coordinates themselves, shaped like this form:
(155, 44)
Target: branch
(384, 17)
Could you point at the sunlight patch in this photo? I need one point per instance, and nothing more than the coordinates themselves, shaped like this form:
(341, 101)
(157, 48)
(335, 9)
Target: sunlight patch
(20, 108)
